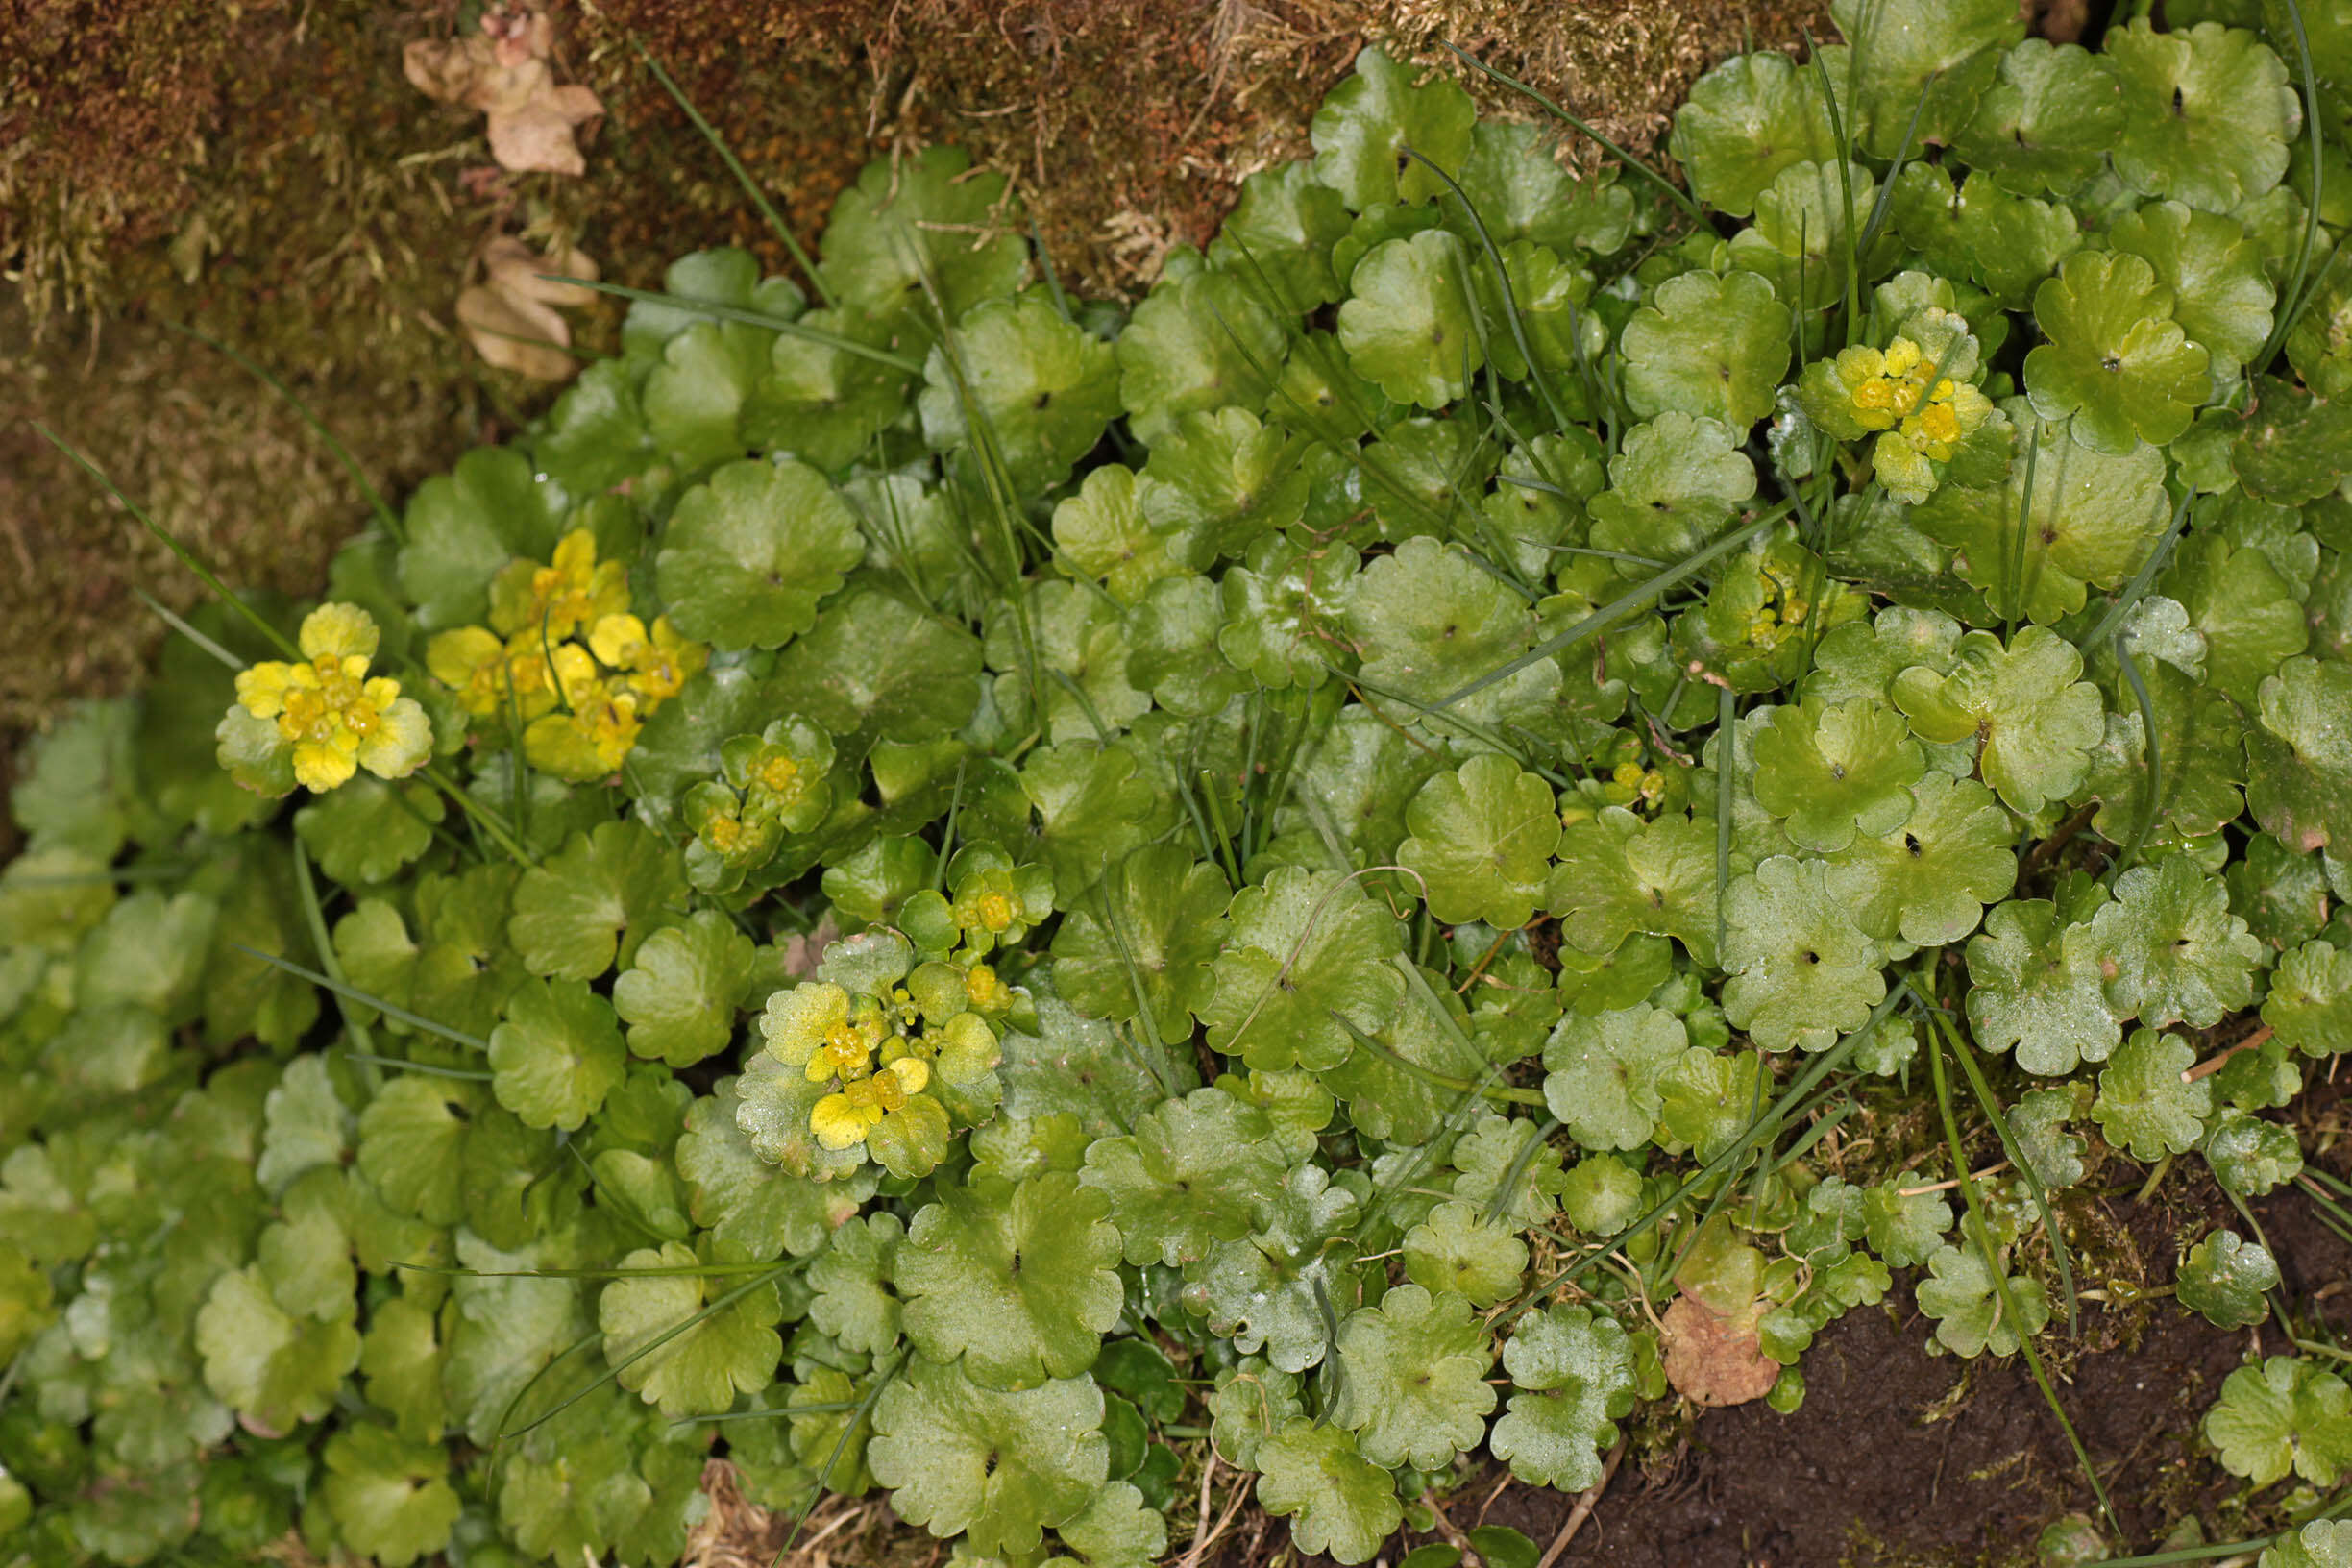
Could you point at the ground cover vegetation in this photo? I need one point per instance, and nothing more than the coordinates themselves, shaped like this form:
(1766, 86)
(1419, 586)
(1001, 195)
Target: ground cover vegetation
(980, 895)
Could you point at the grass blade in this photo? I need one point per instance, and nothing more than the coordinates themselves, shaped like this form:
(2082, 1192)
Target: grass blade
(612, 1373)
(164, 613)
(2142, 578)
(749, 318)
(1502, 277)
(865, 1408)
(187, 558)
(1674, 192)
(774, 220)
(2000, 1279)
(414, 1020)
(2018, 1162)
(2155, 759)
(2293, 300)
(384, 515)
(1601, 619)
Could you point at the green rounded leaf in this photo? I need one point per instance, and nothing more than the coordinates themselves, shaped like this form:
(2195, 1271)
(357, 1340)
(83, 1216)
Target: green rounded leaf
(595, 901)
(1406, 323)
(1573, 1373)
(1803, 972)
(2028, 991)
(1414, 1391)
(2299, 756)
(1306, 961)
(748, 554)
(2213, 269)
(2033, 719)
(1188, 1176)
(1714, 347)
(1041, 387)
(1365, 123)
(1962, 1298)
(928, 221)
(1456, 1250)
(1744, 121)
(558, 1055)
(1601, 1073)
(391, 1500)
(2145, 1103)
(680, 998)
(2169, 947)
(1482, 844)
(995, 1467)
(2046, 122)
(1019, 1280)
(1337, 1502)
(2285, 1414)
(2207, 112)
(700, 1370)
(1833, 770)
(2116, 358)
(2310, 1004)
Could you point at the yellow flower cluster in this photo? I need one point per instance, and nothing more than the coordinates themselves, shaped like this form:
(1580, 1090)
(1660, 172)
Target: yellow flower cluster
(563, 655)
(859, 1045)
(334, 715)
(1634, 786)
(1782, 613)
(1890, 392)
(878, 1057)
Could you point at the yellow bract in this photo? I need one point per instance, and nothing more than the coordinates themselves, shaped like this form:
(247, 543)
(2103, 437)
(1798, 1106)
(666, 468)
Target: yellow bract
(843, 1119)
(337, 718)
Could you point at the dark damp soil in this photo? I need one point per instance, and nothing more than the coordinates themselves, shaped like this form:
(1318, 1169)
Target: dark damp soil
(1899, 1457)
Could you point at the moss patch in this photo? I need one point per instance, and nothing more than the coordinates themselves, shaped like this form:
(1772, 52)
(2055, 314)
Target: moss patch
(264, 173)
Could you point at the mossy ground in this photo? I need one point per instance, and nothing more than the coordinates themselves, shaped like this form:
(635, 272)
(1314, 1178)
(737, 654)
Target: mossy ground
(264, 172)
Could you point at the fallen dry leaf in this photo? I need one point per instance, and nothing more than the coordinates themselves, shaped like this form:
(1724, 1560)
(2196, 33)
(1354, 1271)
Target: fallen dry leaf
(510, 316)
(803, 953)
(503, 70)
(1713, 1360)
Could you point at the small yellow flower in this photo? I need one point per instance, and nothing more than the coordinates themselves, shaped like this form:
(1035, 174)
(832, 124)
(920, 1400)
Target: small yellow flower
(797, 1022)
(777, 774)
(489, 676)
(847, 1052)
(722, 834)
(596, 736)
(656, 664)
(572, 590)
(986, 993)
(337, 718)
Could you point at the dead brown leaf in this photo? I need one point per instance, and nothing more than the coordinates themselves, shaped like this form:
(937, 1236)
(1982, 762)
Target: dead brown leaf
(1714, 1359)
(503, 70)
(511, 318)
